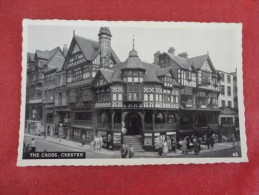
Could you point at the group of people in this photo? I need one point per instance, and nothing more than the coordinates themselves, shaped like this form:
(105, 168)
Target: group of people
(97, 143)
(185, 145)
(165, 146)
(127, 151)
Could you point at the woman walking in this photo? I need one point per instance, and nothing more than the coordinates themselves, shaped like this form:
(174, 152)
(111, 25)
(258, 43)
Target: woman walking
(165, 148)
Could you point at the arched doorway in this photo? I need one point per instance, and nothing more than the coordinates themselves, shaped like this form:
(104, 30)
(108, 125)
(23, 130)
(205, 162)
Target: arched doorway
(133, 123)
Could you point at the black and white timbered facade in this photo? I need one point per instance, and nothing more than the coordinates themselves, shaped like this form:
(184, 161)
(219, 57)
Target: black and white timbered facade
(92, 92)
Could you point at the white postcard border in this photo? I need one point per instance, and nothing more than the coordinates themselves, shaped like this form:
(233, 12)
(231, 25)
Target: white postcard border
(134, 161)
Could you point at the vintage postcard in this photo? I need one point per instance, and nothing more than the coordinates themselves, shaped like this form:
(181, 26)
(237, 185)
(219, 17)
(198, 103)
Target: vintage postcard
(131, 93)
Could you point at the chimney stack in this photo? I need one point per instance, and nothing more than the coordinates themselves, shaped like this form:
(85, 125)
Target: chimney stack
(156, 56)
(171, 50)
(65, 49)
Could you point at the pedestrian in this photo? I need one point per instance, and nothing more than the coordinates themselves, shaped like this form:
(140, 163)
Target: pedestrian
(212, 140)
(96, 143)
(233, 139)
(196, 146)
(160, 146)
(131, 151)
(60, 136)
(111, 144)
(165, 148)
(184, 147)
(169, 144)
(33, 145)
(109, 140)
(100, 142)
(173, 144)
(208, 142)
(83, 140)
(124, 150)
(92, 145)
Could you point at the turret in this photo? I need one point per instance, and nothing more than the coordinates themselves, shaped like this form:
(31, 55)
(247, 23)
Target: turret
(105, 42)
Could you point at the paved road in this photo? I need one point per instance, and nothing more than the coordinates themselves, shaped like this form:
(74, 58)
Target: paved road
(52, 147)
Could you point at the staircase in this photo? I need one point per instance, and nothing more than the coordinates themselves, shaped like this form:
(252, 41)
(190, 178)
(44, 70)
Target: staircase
(136, 141)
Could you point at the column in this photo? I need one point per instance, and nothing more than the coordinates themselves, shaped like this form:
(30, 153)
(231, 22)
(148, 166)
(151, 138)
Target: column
(153, 127)
(112, 119)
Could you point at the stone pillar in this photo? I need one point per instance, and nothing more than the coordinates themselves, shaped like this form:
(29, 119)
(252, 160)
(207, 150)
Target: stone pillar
(112, 119)
(94, 118)
(153, 127)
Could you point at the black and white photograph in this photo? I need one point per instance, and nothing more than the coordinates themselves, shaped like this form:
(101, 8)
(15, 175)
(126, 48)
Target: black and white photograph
(132, 93)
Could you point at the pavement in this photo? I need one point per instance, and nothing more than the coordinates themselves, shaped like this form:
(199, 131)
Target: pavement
(117, 154)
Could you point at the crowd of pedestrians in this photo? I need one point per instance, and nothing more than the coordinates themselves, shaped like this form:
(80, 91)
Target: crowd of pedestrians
(97, 143)
(185, 145)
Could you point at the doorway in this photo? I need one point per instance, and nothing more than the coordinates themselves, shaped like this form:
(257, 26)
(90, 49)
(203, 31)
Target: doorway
(133, 123)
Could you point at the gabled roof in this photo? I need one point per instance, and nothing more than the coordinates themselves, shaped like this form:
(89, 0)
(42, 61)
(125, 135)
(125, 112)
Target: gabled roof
(198, 61)
(56, 61)
(150, 74)
(30, 56)
(88, 47)
(182, 62)
(195, 62)
(91, 48)
(163, 71)
(107, 74)
(46, 54)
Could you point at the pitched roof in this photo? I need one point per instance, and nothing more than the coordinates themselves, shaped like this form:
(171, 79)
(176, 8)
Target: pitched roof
(198, 61)
(150, 74)
(46, 54)
(182, 62)
(30, 56)
(107, 74)
(163, 71)
(88, 47)
(91, 48)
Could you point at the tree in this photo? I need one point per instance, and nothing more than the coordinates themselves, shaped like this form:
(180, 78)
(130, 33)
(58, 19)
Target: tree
(171, 50)
(183, 54)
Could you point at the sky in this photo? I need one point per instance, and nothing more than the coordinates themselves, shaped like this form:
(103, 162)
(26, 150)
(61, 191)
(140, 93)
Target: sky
(221, 41)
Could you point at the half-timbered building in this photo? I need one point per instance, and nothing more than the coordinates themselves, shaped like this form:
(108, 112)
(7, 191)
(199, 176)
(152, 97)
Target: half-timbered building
(141, 97)
(37, 63)
(74, 105)
(199, 96)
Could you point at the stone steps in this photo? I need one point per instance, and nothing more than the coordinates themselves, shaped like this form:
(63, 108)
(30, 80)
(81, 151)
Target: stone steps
(136, 141)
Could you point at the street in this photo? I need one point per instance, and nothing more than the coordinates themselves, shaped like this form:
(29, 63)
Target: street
(43, 145)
